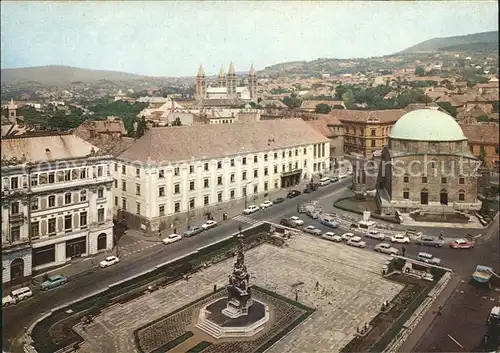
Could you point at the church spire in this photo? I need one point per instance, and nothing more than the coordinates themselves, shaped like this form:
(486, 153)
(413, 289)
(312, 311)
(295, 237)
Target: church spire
(222, 74)
(252, 71)
(201, 72)
(231, 71)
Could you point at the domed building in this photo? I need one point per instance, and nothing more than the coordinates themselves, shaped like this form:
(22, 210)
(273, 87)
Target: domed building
(427, 166)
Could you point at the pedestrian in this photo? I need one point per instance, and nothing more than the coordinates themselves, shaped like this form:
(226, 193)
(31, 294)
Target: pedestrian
(215, 288)
(175, 230)
(403, 250)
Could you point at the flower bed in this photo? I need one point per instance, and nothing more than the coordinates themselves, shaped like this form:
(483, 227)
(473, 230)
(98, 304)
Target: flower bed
(199, 347)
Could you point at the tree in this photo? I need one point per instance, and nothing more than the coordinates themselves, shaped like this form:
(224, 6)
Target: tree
(420, 71)
(141, 128)
(483, 119)
(323, 108)
(338, 106)
(449, 108)
(292, 101)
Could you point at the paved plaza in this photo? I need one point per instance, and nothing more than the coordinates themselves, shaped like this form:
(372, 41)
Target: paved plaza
(344, 285)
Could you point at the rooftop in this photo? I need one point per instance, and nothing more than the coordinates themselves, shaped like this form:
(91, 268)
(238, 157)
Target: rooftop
(184, 143)
(481, 133)
(364, 116)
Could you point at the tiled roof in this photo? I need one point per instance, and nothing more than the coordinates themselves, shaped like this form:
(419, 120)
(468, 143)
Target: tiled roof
(454, 100)
(183, 143)
(324, 123)
(481, 133)
(45, 148)
(216, 102)
(362, 116)
(310, 104)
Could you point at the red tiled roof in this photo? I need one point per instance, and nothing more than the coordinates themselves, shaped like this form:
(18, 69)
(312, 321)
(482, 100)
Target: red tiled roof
(481, 133)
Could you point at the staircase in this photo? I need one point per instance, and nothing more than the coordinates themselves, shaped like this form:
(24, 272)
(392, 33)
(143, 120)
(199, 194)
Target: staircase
(208, 326)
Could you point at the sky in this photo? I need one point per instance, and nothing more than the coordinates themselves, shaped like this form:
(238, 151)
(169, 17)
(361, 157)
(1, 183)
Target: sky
(169, 38)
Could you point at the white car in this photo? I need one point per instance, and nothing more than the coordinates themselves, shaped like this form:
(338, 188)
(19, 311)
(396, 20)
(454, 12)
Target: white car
(400, 239)
(386, 248)
(266, 204)
(375, 234)
(8, 300)
(209, 224)
(109, 261)
(312, 230)
(347, 236)
(356, 242)
(171, 238)
(251, 209)
(332, 237)
(296, 220)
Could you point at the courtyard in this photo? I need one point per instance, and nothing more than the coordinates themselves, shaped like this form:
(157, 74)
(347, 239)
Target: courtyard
(346, 293)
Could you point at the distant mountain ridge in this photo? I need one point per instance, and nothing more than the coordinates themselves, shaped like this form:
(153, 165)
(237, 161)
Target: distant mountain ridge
(62, 75)
(473, 41)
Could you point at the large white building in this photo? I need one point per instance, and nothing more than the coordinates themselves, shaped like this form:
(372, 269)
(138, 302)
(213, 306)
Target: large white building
(56, 203)
(175, 171)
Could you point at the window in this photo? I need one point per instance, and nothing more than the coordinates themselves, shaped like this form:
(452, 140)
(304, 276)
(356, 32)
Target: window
(177, 207)
(124, 185)
(244, 161)
(406, 179)
(283, 168)
(461, 195)
(276, 184)
(219, 164)
(219, 180)
(289, 153)
(14, 183)
(206, 200)
(232, 178)
(265, 171)
(52, 226)
(34, 180)
(191, 185)
(255, 159)
(137, 172)
(255, 189)
(116, 200)
(43, 179)
(205, 167)
(161, 174)
(177, 188)
(444, 180)
(296, 165)
(99, 171)
(35, 230)
(67, 198)
(191, 203)
(176, 171)
(461, 180)
(406, 194)
(34, 204)
(100, 193)
(433, 164)
(219, 196)
(83, 195)
(138, 208)
(124, 170)
(52, 201)
(83, 174)
(15, 233)
(244, 176)
(52, 177)
(100, 215)
(373, 132)
(265, 157)
(232, 162)
(305, 150)
(289, 166)
(275, 155)
(124, 203)
(116, 166)
(244, 191)
(276, 169)
(14, 208)
(60, 176)
(424, 180)
(161, 191)
(161, 210)
(255, 173)
(191, 169)
(296, 152)
(68, 224)
(266, 186)
(115, 183)
(374, 143)
(83, 219)
(305, 164)
(231, 194)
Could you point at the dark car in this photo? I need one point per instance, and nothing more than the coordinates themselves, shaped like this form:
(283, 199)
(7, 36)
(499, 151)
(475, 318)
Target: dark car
(287, 223)
(278, 200)
(193, 231)
(292, 194)
(430, 241)
(307, 190)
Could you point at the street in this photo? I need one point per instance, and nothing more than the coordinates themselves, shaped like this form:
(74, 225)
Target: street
(16, 319)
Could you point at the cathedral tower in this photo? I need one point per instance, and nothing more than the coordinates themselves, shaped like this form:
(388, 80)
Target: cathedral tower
(252, 83)
(201, 84)
(12, 108)
(222, 77)
(231, 81)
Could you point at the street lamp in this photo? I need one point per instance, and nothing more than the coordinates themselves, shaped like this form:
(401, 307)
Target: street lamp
(246, 194)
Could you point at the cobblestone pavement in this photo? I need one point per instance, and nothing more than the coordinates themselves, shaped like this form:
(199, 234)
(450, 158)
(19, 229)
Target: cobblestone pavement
(350, 293)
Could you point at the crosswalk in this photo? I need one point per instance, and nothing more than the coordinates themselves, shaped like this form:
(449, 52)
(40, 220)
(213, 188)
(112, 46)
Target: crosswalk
(245, 219)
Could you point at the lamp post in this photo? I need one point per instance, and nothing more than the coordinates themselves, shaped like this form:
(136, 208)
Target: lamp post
(246, 194)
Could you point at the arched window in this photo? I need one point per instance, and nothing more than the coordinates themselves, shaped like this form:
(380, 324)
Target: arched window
(461, 179)
(406, 178)
(101, 241)
(83, 195)
(52, 201)
(424, 197)
(16, 270)
(461, 195)
(406, 194)
(443, 197)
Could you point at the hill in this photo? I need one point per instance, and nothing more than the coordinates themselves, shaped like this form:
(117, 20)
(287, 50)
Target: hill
(469, 42)
(63, 75)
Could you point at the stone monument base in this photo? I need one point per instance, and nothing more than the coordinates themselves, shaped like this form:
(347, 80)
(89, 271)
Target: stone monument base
(233, 310)
(213, 320)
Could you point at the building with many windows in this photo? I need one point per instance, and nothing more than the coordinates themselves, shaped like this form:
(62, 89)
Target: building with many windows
(172, 173)
(56, 203)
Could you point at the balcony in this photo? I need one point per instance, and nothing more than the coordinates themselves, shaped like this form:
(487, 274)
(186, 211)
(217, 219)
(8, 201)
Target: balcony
(9, 246)
(16, 217)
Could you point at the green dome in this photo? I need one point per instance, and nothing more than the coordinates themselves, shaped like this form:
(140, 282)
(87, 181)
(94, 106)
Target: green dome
(427, 125)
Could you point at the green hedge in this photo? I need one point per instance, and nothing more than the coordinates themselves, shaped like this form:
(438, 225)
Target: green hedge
(174, 343)
(199, 347)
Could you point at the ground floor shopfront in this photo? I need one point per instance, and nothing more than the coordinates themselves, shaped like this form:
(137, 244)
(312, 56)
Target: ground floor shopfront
(16, 266)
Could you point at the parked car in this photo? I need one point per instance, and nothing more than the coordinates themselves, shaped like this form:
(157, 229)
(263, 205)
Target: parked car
(301, 208)
(21, 294)
(292, 194)
(9, 300)
(266, 204)
(386, 248)
(307, 190)
(461, 244)
(314, 214)
(329, 222)
(400, 239)
(312, 230)
(209, 224)
(287, 223)
(332, 237)
(334, 179)
(375, 234)
(347, 236)
(356, 242)
(109, 261)
(428, 258)
(251, 209)
(193, 231)
(53, 282)
(171, 238)
(429, 241)
(296, 220)
(278, 200)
